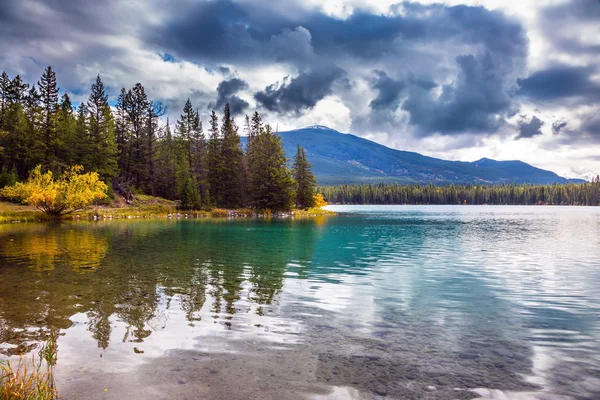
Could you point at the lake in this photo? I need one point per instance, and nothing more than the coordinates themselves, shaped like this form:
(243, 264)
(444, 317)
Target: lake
(406, 302)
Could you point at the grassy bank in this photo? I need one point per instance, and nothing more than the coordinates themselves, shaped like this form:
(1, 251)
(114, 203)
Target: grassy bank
(143, 207)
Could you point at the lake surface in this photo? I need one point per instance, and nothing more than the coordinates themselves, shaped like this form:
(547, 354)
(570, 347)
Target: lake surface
(406, 302)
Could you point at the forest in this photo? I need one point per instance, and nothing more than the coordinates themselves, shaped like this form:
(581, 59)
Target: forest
(586, 194)
(134, 152)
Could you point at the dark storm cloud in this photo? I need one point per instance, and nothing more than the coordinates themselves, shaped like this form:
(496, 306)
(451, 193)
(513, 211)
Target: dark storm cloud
(474, 102)
(233, 31)
(560, 82)
(557, 126)
(226, 93)
(300, 93)
(490, 48)
(530, 129)
(389, 90)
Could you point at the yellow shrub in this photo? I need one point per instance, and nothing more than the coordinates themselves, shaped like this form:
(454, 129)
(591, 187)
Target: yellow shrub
(70, 192)
(319, 200)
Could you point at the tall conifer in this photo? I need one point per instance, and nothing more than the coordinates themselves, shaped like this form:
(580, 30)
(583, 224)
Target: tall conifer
(49, 97)
(305, 180)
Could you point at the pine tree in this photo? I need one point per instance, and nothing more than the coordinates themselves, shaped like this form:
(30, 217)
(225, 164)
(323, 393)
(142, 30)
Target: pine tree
(49, 98)
(270, 182)
(82, 143)
(190, 198)
(305, 180)
(231, 190)
(136, 105)
(102, 157)
(66, 131)
(187, 123)
(214, 161)
(122, 136)
(17, 90)
(4, 94)
(155, 111)
(167, 159)
(199, 159)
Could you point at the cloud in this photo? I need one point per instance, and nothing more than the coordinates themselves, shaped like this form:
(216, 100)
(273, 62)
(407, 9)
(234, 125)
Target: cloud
(389, 93)
(570, 25)
(226, 93)
(300, 93)
(557, 126)
(477, 101)
(448, 77)
(560, 82)
(530, 129)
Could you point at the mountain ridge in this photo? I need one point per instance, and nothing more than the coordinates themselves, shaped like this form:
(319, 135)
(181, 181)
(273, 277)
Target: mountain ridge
(340, 158)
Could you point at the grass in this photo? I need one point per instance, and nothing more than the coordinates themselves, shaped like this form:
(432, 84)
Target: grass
(143, 207)
(30, 379)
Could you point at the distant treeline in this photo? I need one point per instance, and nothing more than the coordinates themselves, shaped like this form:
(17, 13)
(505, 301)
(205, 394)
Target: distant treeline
(135, 152)
(587, 194)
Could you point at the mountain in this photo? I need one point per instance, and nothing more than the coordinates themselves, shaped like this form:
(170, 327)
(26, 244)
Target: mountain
(339, 158)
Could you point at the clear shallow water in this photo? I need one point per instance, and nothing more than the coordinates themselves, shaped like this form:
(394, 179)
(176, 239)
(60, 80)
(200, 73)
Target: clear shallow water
(403, 302)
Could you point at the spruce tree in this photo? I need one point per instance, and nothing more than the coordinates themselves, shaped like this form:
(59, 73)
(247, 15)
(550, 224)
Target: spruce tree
(305, 180)
(66, 131)
(17, 90)
(49, 98)
(155, 111)
(122, 136)
(4, 88)
(189, 197)
(82, 142)
(270, 183)
(231, 190)
(167, 159)
(136, 106)
(186, 125)
(214, 161)
(102, 157)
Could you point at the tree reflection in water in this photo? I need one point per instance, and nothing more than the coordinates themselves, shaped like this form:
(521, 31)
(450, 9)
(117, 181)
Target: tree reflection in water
(125, 270)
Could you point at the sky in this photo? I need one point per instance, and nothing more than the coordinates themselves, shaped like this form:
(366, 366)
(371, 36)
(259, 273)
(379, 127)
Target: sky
(458, 80)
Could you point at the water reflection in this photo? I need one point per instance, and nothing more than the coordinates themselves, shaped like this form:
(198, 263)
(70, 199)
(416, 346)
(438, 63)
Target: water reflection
(405, 303)
(148, 266)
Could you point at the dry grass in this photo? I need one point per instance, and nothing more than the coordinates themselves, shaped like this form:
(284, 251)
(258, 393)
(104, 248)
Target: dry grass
(30, 379)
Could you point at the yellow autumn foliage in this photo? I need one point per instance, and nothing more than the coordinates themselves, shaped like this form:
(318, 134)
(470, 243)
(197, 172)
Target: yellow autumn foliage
(71, 191)
(319, 200)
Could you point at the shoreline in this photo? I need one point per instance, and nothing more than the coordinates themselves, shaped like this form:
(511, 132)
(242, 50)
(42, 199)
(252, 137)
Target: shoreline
(17, 213)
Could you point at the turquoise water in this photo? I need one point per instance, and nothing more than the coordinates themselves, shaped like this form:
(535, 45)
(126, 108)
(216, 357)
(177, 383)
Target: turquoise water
(395, 301)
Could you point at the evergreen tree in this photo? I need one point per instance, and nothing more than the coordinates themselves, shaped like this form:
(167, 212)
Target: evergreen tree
(102, 156)
(66, 126)
(155, 111)
(49, 99)
(305, 180)
(231, 190)
(17, 90)
(82, 143)
(122, 135)
(270, 181)
(167, 159)
(187, 124)
(190, 196)
(214, 161)
(136, 106)
(193, 142)
(4, 94)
